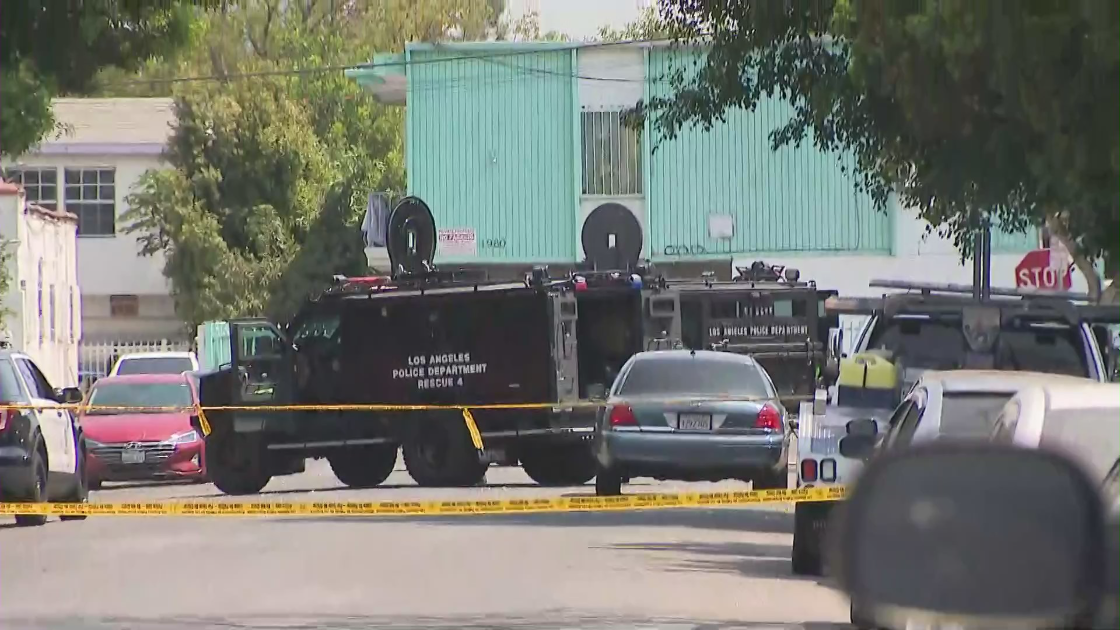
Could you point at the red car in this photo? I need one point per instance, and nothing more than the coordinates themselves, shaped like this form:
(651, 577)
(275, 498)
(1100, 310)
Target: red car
(126, 445)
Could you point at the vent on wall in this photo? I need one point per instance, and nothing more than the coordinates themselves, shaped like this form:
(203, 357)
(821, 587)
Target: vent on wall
(611, 237)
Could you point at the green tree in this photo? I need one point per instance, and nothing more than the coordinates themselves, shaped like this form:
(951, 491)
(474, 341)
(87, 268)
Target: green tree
(269, 173)
(999, 111)
(649, 25)
(50, 48)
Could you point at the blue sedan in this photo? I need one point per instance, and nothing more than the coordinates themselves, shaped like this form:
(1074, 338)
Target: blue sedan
(692, 416)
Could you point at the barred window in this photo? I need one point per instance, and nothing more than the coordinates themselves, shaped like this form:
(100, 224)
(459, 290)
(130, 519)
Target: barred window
(612, 155)
(39, 184)
(91, 194)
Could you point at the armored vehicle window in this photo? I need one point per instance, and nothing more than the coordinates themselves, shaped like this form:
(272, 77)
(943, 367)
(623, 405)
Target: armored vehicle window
(318, 329)
(694, 375)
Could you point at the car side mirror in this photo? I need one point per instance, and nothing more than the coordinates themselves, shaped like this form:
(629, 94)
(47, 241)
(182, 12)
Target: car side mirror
(69, 395)
(972, 534)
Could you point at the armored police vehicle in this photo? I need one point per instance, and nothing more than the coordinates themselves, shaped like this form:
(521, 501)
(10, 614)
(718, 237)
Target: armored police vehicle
(928, 327)
(426, 338)
(765, 311)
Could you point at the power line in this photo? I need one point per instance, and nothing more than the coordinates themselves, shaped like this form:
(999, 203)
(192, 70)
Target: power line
(490, 55)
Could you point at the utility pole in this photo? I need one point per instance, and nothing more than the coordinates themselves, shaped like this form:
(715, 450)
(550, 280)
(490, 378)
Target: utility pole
(982, 261)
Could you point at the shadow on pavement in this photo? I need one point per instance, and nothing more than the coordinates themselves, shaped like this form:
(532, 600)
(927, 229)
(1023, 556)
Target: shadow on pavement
(731, 519)
(545, 620)
(758, 560)
(342, 488)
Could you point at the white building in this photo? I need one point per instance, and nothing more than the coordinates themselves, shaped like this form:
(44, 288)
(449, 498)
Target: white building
(43, 308)
(88, 170)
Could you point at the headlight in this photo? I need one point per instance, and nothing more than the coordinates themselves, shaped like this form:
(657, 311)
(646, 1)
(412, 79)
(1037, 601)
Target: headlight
(184, 438)
(93, 443)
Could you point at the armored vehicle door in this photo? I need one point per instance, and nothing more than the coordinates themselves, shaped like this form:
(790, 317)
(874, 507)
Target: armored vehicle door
(258, 373)
(565, 356)
(661, 320)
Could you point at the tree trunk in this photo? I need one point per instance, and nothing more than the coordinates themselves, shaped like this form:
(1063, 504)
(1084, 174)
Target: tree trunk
(1097, 292)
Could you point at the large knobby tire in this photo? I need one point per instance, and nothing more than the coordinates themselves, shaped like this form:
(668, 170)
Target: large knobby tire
(442, 455)
(38, 492)
(559, 464)
(235, 464)
(364, 467)
(608, 483)
(80, 491)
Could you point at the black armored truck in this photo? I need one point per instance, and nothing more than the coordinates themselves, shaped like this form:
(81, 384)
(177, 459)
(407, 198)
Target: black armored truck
(429, 342)
(765, 311)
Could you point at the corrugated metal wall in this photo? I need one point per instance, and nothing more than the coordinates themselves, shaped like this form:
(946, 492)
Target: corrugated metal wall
(794, 200)
(491, 148)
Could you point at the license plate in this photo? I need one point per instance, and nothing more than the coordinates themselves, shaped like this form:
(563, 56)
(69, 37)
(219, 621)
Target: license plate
(132, 456)
(694, 422)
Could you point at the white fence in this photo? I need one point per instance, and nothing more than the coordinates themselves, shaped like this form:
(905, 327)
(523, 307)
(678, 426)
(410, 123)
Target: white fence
(95, 359)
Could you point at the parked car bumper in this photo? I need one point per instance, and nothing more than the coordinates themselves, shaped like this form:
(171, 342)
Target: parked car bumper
(185, 461)
(645, 450)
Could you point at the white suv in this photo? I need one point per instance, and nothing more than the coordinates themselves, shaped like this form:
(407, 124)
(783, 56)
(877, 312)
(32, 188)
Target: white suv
(155, 363)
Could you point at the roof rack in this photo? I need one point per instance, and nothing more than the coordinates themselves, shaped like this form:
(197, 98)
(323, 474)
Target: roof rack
(927, 288)
(955, 304)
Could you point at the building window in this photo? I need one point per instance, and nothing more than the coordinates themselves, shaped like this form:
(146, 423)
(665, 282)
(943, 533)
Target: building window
(91, 194)
(54, 330)
(124, 306)
(612, 155)
(42, 327)
(39, 184)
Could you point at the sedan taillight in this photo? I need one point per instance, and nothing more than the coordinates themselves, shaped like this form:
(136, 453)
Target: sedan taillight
(622, 415)
(768, 418)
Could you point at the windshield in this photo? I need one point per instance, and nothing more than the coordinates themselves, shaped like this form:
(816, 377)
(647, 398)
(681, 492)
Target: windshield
(693, 375)
(155, 365)
(139, 395)
(1091, 436)
(970, 415)
(937, 345)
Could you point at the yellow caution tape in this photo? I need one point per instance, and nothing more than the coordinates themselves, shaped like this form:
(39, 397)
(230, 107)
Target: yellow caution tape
(472, 428)
(582, 404)
(203, 423)
(582, 503)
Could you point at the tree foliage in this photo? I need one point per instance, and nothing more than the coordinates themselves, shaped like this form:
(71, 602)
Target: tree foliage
(50, 48)
(270, 173)
(1000, 111)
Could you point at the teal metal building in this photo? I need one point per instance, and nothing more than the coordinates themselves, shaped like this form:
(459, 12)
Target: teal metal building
(516, 146)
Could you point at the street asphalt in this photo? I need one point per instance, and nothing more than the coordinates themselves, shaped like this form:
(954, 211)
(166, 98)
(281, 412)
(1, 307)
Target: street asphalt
(674, 569)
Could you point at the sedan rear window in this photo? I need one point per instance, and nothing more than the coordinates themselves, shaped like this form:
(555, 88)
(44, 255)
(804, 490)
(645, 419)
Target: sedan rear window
(155, 365)
(691, 375)
(971, 415)
(139, 395)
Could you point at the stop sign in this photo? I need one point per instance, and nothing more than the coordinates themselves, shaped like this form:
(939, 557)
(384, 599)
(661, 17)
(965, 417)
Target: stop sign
(1040, 270)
